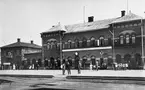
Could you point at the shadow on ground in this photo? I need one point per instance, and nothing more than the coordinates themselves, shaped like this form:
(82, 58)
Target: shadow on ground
(50, 89)
(5, 81)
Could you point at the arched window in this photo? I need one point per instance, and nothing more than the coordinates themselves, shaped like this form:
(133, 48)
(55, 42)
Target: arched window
(101, 41)
(84, 43)
(121, 39)
(92, 41)
(66, 44)
(133, 38)
(76, 43)
(58, 46)
(48, 45)
(52, 44)
(55, 45)
(127, 38)
(80, 44)
(69, 43)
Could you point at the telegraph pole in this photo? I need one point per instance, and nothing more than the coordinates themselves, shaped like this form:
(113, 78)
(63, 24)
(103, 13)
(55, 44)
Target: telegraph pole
(113, 51)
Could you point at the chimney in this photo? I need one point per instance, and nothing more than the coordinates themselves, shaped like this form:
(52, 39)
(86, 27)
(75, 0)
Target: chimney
(18, 39)
(91, 19)
(122, 13)
(32, 42)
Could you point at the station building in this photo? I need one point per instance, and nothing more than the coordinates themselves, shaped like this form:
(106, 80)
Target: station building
(16, 54)
(111, 40)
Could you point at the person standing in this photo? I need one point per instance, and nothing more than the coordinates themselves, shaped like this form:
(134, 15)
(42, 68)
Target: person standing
(79, 67)
(78, 63)
(63, 67)
(68, 67)
(97, 65)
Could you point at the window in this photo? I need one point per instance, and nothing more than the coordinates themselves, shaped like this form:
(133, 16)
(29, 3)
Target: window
(127, 38)
(92, 41)
(66, 45)
(52, 45)
(76, 43)
(80, 44)
(88, 43)
(133, 37)
(48, 46)
(98, 42)
(121, 39)
(84, 44)
(106, 42)
(101, 41)
(69, 43)
(58, 46)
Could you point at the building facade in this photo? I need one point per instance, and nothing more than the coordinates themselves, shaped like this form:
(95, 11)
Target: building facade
(14, 55)
(116, 40)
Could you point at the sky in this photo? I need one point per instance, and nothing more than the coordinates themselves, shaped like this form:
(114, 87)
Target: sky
(26, 19)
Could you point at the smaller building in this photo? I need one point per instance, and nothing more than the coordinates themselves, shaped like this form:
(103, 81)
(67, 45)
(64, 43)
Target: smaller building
(33, 60)
(13, 55)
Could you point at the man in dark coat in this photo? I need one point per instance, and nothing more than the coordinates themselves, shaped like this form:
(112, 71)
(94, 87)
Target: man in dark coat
(68, 67)
(77, 64)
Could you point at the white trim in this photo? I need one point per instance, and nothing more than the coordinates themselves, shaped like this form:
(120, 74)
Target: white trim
(84, 49)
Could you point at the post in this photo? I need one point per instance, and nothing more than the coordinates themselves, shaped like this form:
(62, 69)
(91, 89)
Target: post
(61, 58)
(113, 52)
(142, 43)
(42, 51)
(113, 44)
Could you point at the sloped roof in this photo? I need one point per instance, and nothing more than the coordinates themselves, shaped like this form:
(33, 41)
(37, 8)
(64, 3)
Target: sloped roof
(58, 27)
(96, 25)
(21, 44)
(100, 24)
(127, 18)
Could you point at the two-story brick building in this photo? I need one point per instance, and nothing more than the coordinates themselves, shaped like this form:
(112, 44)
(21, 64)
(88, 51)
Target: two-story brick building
(15, 54)
(109, 40)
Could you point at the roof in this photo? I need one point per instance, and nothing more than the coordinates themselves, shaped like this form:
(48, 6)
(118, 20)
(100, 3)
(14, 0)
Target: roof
(22, 44)
(96, 25)
(127, 18)
(88, 26)
(58, 27)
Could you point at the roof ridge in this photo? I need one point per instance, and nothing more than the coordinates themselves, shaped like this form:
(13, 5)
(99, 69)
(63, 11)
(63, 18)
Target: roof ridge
(22, 44)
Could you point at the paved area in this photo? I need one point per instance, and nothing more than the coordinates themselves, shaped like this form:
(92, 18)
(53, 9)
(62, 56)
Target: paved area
(58, 73)
(59, 82)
